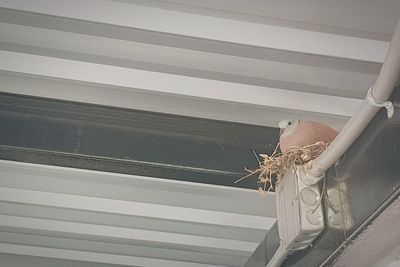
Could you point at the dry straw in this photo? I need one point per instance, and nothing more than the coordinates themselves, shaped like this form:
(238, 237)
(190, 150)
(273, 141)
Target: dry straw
(272, 168)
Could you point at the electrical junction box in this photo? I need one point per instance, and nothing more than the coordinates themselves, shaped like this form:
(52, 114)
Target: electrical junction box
(299, 209)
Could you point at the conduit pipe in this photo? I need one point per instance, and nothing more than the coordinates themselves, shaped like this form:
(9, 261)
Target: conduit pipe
(279, 257)
(384, 86)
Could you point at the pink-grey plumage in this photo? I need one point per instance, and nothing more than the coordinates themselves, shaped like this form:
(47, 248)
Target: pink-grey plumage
(302, 133)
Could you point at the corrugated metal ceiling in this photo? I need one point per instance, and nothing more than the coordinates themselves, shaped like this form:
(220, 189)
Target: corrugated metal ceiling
(254, 62)
(271, 60)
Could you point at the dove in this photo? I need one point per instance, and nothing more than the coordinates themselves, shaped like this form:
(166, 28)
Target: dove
(302, 133)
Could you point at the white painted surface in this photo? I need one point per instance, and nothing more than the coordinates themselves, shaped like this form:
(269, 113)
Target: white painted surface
(200, 63)
(373, 19)
(172, 22)
(206, 59)
(174, 84)
(119, 233)
(124, 187)
(134, 208)
(254, 62)
(92, 256)
(127, 217)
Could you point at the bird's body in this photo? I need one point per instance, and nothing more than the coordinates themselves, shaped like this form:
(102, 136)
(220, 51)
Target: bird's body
(298, 133)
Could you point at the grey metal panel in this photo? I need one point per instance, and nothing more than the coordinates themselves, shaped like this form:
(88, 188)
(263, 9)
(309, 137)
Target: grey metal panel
(265, 251)
(171, 147)
(137, 55)
(257, 259)
(185, 42)
(369, 172)
(156, 102)
(377, 244)
(124, 219)
(12, 260)
(118, 248)
(235, 233)
(72, 134)
(206, 27)
(313, 15)
(241, 63)
(136, 142)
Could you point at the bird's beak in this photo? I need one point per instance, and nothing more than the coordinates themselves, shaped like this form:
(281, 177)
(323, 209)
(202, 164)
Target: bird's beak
(281, 130)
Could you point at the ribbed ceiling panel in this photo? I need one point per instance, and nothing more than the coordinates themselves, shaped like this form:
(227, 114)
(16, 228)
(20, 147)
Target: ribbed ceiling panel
(281, 59)
(253, 62)
(118, 219)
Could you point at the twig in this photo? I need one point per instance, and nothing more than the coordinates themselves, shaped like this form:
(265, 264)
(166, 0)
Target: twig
(275, 166)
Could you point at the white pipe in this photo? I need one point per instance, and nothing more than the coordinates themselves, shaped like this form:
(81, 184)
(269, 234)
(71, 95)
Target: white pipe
(279, 257)
(384, 86)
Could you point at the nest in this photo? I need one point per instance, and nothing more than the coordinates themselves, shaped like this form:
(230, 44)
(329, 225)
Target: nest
(272, 168)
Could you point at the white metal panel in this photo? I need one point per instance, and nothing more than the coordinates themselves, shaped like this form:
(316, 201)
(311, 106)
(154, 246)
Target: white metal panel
(67, 205)
(172, 22)
(175, 84)
(133, 188)
(174, 60)
(158, 102)
(134, 208)
(251, 61)
(93, 256)
(368, 19)
(118, 248)
(119, 233)
(230, 62)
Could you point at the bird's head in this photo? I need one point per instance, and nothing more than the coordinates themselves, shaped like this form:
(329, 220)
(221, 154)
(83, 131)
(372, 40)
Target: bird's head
(288, 125)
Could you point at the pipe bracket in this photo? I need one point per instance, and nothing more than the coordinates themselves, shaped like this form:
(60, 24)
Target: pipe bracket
(386, 104)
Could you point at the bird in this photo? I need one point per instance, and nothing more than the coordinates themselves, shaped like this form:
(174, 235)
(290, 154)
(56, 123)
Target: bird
(297, 133)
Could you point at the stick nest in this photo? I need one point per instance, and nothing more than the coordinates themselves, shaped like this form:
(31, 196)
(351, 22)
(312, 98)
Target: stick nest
(272, 168)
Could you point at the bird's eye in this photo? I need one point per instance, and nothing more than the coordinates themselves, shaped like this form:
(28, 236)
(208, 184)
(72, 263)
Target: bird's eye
(289, 123)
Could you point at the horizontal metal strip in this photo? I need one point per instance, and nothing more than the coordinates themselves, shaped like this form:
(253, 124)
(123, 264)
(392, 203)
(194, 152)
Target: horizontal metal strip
(129, 141)
(96, 49)
(157, 102)
(114, 118)
(175, 84)
(307, 14)
(134, 208)
(93, 257)
(124, 166)
(123, 249)
(298, 78)
(127, 234)
(125, 221)
(136, 188)
(36, 261)
(153, 19)
(188, 43)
